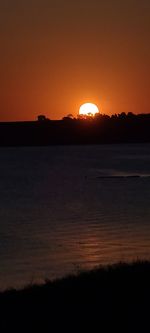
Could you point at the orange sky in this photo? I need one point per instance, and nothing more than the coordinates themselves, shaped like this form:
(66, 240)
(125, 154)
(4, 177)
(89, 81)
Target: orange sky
(56, 55)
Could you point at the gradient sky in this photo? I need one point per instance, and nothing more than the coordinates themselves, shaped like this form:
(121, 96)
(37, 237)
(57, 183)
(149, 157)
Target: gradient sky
(56, 55)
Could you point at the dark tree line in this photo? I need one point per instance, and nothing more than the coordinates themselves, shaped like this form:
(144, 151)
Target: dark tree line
(100, 129)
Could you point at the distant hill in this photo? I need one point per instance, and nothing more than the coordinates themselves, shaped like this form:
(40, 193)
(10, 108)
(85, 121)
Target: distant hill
(101, 129)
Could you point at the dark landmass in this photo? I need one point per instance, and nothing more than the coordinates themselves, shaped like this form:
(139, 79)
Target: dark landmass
(107, 299)
(101, 129)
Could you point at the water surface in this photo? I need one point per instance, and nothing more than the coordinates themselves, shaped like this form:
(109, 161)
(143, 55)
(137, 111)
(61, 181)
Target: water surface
(68, 208)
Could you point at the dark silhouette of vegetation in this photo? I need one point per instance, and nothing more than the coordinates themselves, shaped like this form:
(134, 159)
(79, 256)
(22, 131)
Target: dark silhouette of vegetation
(107, 299)
(121, 128)
(41, 117)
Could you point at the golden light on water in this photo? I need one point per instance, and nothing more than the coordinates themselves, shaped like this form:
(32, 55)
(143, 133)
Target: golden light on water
(88, 109)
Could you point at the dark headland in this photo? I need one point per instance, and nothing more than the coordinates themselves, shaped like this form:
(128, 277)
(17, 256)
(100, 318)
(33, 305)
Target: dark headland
(121, 128)
(108, 299)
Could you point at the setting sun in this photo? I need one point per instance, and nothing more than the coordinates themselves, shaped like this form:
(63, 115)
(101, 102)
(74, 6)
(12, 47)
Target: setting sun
(88, 109)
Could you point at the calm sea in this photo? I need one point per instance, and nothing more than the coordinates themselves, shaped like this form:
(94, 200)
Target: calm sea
(68, 208)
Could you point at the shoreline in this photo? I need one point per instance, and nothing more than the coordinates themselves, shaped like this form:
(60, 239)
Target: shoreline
(101, 130)
(102, 296)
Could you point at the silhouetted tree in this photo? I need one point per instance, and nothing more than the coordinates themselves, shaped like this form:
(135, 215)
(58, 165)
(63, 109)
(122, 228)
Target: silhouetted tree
(130, 115)
(122, 115)
(41, 118)
(70, 115)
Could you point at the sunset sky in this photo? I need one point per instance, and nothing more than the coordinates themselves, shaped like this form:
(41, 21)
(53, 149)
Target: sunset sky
(56, 55)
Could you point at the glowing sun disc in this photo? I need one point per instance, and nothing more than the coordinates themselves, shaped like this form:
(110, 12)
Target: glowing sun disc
(88, 109)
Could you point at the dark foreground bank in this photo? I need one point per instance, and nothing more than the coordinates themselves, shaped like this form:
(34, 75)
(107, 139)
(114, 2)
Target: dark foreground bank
(106, 299)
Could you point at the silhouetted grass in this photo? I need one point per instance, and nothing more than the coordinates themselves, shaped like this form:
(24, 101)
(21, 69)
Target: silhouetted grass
(115, 297)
